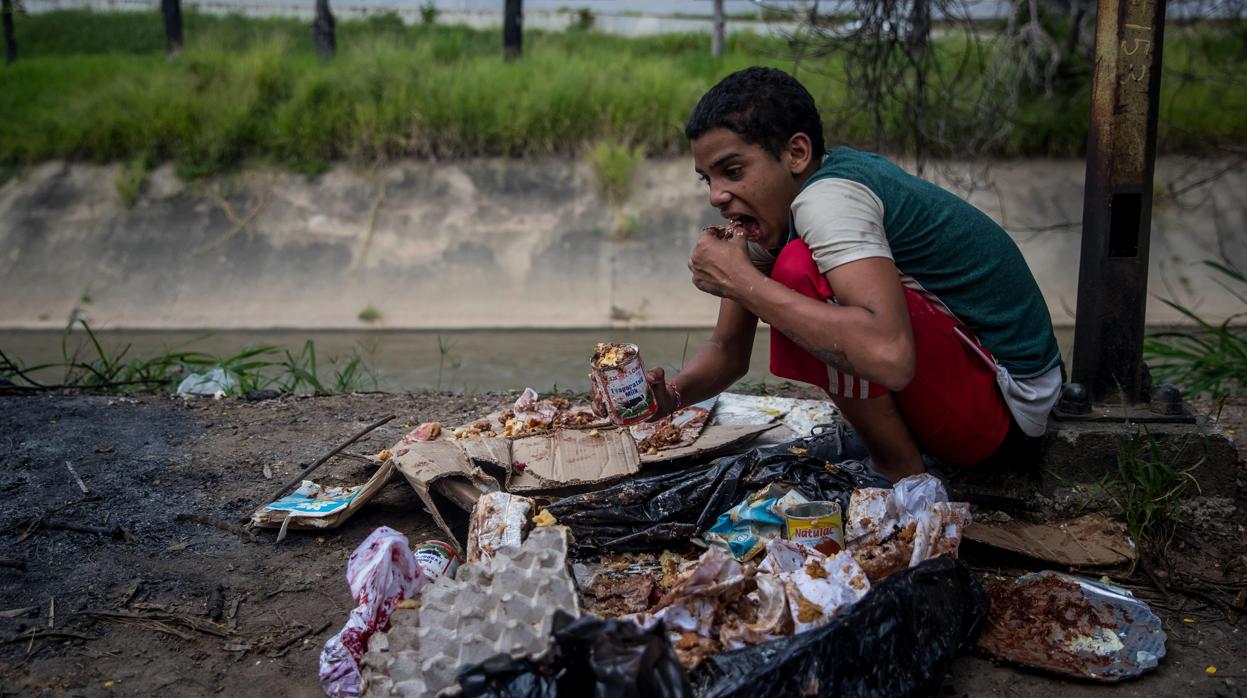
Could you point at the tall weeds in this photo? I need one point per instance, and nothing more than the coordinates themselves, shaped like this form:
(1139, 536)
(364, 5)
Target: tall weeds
(88, 364)
(1210, 359)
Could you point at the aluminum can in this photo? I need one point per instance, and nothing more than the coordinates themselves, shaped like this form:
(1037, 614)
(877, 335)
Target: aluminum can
(620, 377)
(438, 559)
(819, 525)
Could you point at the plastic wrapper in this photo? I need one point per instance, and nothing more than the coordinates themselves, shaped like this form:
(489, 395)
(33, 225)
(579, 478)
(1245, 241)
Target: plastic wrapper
(670, 508)
(820, 588)
(697, 599)
(897, 641)
(746, 528)
(876, 512)
(591, 657)
(771, 619)
(918, 504)
(381, 572)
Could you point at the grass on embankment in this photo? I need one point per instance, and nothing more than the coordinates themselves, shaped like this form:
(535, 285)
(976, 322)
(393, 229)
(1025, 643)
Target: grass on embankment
(96, 86)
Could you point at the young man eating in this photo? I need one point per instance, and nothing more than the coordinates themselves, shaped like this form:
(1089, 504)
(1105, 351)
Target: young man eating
(910, 307)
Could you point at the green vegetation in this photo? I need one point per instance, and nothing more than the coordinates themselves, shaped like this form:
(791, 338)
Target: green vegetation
(614, 164)
(131, 179)
(370, 315)
(87, 364)
(428, 13)
(96, 86)
(627, 224)
(1210, 359)
(1149, 487)
(584, 20)
(445, 357)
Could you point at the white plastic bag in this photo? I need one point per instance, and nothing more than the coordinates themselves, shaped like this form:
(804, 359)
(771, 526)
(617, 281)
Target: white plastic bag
(381, 572)
(216, 381)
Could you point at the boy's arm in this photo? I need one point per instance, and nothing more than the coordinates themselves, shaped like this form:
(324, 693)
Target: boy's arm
(867, 334)
(720, 362)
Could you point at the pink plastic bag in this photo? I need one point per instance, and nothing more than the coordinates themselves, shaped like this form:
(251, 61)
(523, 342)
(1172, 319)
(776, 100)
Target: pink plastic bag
(381, 572)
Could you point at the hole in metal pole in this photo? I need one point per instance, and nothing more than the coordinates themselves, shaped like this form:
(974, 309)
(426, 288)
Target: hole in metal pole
(1125, 214)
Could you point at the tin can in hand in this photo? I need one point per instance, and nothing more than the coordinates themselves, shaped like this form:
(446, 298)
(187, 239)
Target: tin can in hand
(620, 378)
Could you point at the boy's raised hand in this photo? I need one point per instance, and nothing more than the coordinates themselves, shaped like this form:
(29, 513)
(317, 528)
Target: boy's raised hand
(657, 379)
(720, 265)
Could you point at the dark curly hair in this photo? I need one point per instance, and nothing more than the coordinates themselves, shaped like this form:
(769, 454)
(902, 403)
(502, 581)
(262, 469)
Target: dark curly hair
(764, 106)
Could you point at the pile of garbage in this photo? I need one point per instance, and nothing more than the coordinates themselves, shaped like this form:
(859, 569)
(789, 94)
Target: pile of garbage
(720, 604)
(532, 611)
(577, 560)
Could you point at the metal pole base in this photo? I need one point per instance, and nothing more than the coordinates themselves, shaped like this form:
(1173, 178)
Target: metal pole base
(1165, 407)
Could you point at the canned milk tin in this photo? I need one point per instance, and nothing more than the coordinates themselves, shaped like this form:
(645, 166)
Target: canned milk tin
(818, 525)
(620, 377)
(437, 558)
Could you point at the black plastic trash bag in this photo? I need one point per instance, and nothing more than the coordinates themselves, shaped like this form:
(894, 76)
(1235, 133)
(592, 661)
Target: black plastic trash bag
(897, 641)
(670, 508)
(591, 657)
(504, 676)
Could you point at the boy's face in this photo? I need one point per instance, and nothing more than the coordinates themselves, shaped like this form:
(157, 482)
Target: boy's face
(750, 185)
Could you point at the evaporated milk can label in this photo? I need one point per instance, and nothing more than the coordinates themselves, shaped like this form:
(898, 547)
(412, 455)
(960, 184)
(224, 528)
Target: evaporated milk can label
(819, 525)
(620, 375)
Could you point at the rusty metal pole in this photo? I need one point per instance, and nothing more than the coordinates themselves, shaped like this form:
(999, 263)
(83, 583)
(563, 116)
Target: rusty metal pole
(1117, 210)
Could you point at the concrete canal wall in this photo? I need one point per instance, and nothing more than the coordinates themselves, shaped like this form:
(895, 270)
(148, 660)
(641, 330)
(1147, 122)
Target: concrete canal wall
(489, 243)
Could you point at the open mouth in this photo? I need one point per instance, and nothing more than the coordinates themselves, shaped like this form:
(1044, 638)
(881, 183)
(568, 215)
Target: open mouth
(750, 225)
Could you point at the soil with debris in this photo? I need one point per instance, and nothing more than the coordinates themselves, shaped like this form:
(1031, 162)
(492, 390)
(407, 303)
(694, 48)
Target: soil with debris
(122, 597)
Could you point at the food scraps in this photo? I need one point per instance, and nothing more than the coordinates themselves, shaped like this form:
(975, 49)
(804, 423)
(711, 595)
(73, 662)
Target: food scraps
(427, 431)
(680, 428)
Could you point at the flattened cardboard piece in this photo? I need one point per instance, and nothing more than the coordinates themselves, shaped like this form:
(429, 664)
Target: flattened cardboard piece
(573, 457)
(1093, 540)
(324, 510)
(715, 438)
(442, 466)
(490, 449)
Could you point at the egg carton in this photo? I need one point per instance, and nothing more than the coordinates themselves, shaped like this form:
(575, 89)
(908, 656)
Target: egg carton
(507, 606)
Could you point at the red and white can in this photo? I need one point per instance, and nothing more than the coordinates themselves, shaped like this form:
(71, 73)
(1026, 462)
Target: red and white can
(620, 378)
(438, 559)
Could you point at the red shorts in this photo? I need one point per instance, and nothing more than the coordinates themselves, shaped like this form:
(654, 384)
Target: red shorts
(953, 405)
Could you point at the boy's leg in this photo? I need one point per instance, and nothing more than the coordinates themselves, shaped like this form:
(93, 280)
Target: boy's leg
(882, 427)
(952, 409)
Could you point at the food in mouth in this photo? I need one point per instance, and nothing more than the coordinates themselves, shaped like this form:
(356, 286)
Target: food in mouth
(745, 227)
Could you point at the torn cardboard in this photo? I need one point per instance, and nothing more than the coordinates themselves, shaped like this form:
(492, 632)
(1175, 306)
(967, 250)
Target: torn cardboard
(444, 467)
(1093, 540)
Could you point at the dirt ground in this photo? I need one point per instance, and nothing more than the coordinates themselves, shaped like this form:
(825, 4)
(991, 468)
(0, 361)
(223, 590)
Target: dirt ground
(120, 616)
